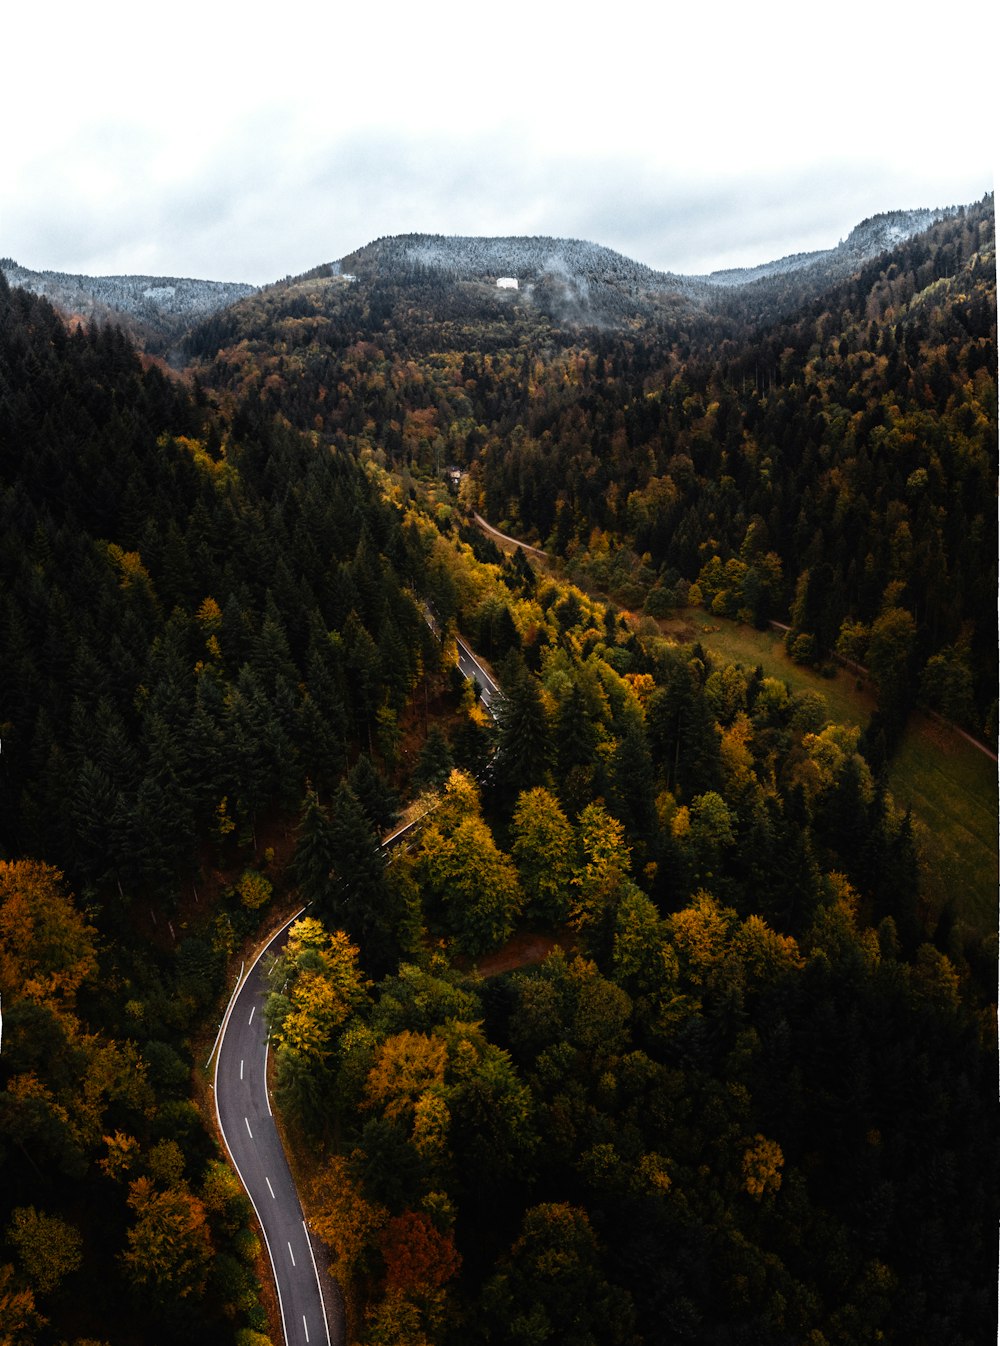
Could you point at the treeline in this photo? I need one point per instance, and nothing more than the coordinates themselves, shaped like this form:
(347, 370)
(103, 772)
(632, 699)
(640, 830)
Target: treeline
(750, 1100)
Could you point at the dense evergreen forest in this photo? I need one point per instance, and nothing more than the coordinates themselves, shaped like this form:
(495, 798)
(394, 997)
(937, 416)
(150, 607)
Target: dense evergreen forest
(834, 469)
(749, 1095)
(199, 617)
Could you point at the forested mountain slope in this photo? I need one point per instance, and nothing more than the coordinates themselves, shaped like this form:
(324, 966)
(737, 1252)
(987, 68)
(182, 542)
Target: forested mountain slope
(832, 468)
(867, 240)
(198, 617)
(169, 583)
(155, 310)
(753, 1096)
(584, 1150)
(837, 469)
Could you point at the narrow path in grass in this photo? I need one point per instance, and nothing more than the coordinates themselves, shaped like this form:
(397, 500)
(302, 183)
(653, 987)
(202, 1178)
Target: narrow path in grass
(523, 950)
(506, 537)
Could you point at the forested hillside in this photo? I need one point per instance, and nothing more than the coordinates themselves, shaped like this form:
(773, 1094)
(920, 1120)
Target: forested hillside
(650, 1031)
(155, 310)
(757, 1044)
(869, 239)
(834, 469)
(198, 616)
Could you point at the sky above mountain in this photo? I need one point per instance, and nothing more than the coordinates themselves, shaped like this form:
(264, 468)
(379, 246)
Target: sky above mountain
(244, 144)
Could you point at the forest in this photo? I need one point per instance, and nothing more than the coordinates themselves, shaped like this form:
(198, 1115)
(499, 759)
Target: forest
(748, 1092)
(834, 468)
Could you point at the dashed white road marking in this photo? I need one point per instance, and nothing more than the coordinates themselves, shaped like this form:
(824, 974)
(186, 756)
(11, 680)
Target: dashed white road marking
(291, 1254)
(305, 1326)
(269, 1187)
(253, 1011)
(247, 1120)
(241, 1070)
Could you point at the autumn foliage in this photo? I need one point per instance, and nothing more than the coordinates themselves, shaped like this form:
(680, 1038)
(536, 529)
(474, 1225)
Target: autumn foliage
(418, 1258)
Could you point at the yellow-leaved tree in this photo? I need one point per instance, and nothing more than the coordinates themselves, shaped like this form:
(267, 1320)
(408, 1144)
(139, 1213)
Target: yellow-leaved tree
(319, 986)
(46, 947)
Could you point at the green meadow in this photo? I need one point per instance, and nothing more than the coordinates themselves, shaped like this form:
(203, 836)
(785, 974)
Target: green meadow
(949, 783)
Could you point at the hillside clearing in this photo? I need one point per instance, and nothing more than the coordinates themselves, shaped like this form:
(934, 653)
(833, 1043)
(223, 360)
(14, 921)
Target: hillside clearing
(948, 782)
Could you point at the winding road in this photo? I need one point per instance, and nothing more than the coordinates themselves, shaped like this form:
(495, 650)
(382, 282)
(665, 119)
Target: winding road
(469, 666)
(506, 537)
(243, 1108)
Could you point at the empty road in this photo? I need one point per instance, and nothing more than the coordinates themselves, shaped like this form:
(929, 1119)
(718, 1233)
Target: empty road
(243, 1107)
(244, 1111)
(473, 670)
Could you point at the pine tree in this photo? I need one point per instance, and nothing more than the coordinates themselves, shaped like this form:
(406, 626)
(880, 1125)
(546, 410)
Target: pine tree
(374, 793)
(576, 738)
(360, 901)
(434, 763)
(523, 754)
(632, 786)
(314, 854)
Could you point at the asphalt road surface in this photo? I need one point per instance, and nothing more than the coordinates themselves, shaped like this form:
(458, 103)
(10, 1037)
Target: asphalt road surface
(244, 1111)
(468, 664)
(243, 1108)
(473, 669)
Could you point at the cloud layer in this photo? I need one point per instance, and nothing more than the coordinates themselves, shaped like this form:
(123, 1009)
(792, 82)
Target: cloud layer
(212, 145)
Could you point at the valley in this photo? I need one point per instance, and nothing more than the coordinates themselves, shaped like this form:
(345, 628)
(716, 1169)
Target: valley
(672, 1016)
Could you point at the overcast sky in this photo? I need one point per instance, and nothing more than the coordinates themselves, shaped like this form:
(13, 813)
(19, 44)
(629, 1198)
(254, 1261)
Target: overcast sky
(238, 142)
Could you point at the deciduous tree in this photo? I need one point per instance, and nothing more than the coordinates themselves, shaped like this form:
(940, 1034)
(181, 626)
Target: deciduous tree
(475, 883)
(418, 1257)
(542, 847)
(169, 1247)
(49, 1247)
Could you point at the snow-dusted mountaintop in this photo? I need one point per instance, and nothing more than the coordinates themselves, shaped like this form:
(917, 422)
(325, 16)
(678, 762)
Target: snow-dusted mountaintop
(882, 232)
(526, 258)
(871, 237)
(570, 280)
(157, 300)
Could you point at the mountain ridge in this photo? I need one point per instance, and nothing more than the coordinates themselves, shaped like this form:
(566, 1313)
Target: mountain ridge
(156, 309)
(575, 280)
(876, 234)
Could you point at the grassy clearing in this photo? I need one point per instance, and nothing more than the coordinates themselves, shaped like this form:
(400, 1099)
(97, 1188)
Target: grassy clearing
(952, 789)
(948, 783)
(740, 644)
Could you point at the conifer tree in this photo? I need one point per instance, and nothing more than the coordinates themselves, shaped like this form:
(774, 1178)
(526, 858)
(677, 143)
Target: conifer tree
(374, 793)
(576, 746)
(523, 753)
(314, 854)
(632, 786)
(360, 901)
(434, 763)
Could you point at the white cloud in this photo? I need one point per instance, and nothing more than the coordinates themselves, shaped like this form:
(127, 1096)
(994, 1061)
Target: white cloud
(203, 140)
